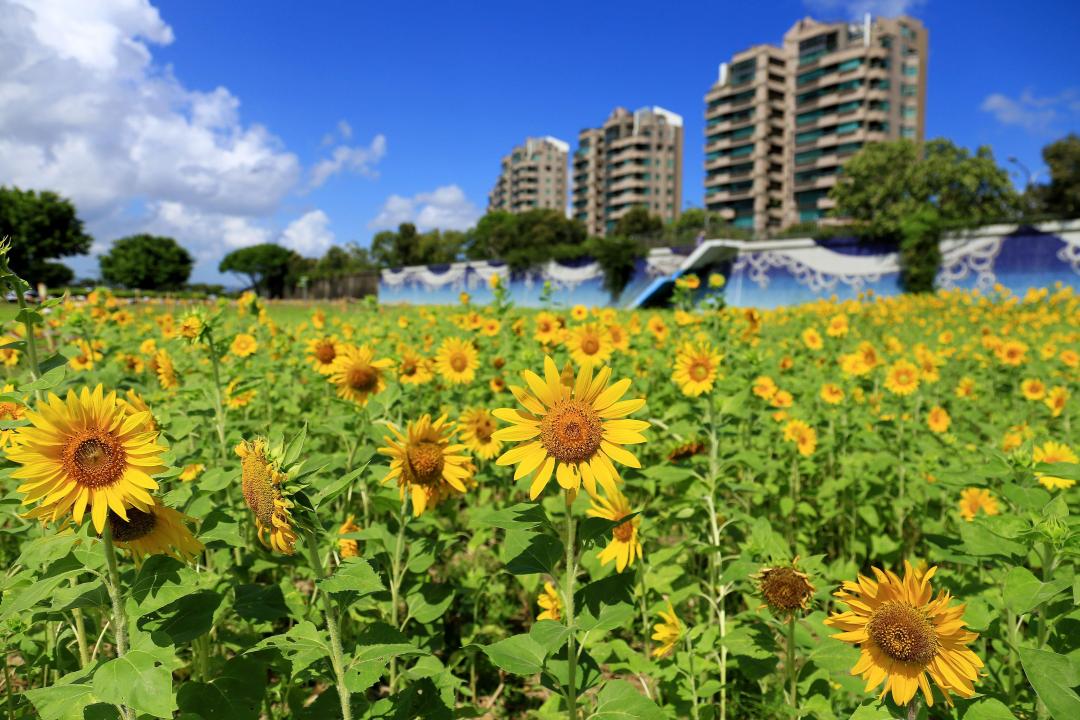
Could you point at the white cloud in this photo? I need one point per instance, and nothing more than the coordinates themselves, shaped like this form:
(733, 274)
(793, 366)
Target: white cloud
(309, 235)
(360, 160)
(857, 9)
(1038, 115)
(445, 208)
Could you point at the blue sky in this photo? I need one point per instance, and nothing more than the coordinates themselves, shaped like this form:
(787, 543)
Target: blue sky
(248, 121)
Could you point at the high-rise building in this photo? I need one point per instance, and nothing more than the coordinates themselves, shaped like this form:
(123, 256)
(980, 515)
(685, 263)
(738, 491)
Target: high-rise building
(633, 159)
(781, 121)
(533, 176)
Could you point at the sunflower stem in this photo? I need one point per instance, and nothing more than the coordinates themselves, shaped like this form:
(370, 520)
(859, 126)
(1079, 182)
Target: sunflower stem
(793, 675)
(219, 407)
(396, 577)
(332, 627)
(913, 708)
(568, 604)
(31, 345)
(695, 713)
(119, 616)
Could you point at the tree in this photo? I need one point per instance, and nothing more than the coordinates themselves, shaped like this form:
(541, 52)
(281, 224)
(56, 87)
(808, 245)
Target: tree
(41, 227)
(638, 222)
(696, 222)
(911, 193)
(526, 240)
(148, 262)
(267, 266)
(1061, 196)
(617, 256)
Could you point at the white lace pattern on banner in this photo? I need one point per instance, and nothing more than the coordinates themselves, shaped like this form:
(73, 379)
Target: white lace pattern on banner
(959, 259)
(1070, 254)
(756, 266)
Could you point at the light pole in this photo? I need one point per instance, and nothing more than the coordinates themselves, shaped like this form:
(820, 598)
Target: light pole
(1030, 176)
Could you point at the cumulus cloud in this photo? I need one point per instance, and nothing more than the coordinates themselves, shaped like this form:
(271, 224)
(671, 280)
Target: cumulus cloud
(446, 208)
(344, 158)
(857, 9)
(1038, 115)
(309, 235)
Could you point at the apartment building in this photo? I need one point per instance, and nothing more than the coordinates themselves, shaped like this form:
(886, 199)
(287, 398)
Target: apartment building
(533, 176)
(633, 159)
(781, 121)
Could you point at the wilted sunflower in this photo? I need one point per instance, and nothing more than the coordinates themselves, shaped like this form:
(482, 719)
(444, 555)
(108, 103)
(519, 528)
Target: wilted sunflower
(262, 479)
(322, 351)
(785, 588)
(588, 344)
(905, 635)
(83, 452)
(456, 361)
(668, 632)
(347, 547)
(159, 530)
(476, 428)
(357, 374)
(425, 464)
(573, 432)
(624, 545)
(550, 602)
(696, 368)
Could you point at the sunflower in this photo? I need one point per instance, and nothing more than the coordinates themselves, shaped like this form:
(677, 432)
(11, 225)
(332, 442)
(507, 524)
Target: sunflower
(579, 312)
(164, 369)
(413, 369)
(456, 361)
(347, 547)
(192, 471)
(357, 374)
(1056, 400)
(261, 479)
(1033, 389)
(696, 368)
(191, 326)
(550, 602)
(904, 635)
(574, 433)
(785, 588)
(159, 530)
(764, 387)
(832, 393)
(782, 399)
(321, 353)
(85, 358)
(1012, 352)
(624, 545)
(965, 389)
(83, 452)
(9, 411)
(902, 378)
(588, 344)
(838, 326)
(812, 339)
(804, 437)
(1054, 452)
(668, 632)
(618, 337)
(490, 326)
(657, 327)
(236, 400)
(548, 328)
(423, 462)
(972, 500)
(133, 404)
(938, 420)
(477, 427)
(244, 345)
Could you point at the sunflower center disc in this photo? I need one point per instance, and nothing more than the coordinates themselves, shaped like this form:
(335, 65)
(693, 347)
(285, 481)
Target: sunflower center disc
(94, 459)
(139, 524)
(426, 460)
(484, 430)
(408, 368)
(459, 362)
(784, 588)
(903, 633)
(590, 346)
(624, 532)
(699, 371)
(258, 488)
(571, 431)
(325, 352)
(362, 378)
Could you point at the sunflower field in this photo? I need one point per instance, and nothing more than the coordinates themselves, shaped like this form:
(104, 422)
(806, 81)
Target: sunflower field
(247, 509)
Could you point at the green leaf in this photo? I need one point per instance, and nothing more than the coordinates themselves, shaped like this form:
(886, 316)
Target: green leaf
(160, 581)
(235, 694)
(523, 516)
(296, 444)
(1023, 592)
(375, 646)
(981, 542)
(139, 681)
(41, 552)
(260, 602)
(612, 590)
(335, 487)
(66, 699)
(353, 575)
(550, 634)
(541, 554)
(221, 525)
(47, 381)
(520, 655)
(619, 700)
(610, 617)
(302, 645)
(986, 708)
(1053, 676)
(871, 710)
(429, 601)
(593, 528)
(188, 617)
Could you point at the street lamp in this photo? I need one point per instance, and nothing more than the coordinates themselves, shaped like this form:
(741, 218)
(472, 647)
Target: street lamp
(1027, 172)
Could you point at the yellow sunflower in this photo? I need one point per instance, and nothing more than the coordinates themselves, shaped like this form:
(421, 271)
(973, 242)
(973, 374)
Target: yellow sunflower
(574, 433)
(425, 464)
(938, 420)
(905, 635)
(261, 479)
(159, 530)
(244, 345)
(588, 344)
(972, 500)
(812, 339)
(1033, 389)
(1012, 352)
(550, 602)
(192, 471)
(164, 369)
(804, 436)
(84, 452)
(668, 632)
(321, 354)
(764, 387)
(9, 411)
(1056, 400)
(696, 368)
(348, 547)
(832, 393)
(624, 545)
(413, 369)
(965, 389)
(456, 361)
(902, 378)
(1054, 452)
(357, 374)
(548, 328)
(477, 427)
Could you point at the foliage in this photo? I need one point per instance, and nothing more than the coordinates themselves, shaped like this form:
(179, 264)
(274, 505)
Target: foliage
(693, 223)
(617, 256)
(41, 226)
(344, 260)
(1061, 196)
(527, 240)
(268, 267)
(638, 222)
(148, 262)
(407, 246)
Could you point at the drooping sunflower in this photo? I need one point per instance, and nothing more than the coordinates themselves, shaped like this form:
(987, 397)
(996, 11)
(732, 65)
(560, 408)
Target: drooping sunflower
(1054, 452)
(624, 545)
(322, 351)
(262, 480)
(667, 632)
(477, 427)
(572, 432)
(588, 344)
(972, 500)
(785, 588)
(165, 370)
(348, 547)
(696, 368)
(357, 374)
(905, 635)
(550, 602)
(159, 530)
(902, 378)
(86, 452)
(456, 361)
(425, 463)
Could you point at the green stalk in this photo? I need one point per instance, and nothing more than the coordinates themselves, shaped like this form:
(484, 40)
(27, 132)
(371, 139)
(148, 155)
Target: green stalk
(396, 577)
(219, 406)
(568, 605)
(119, 616)
(332, 627)
(695, 713)
(793, 675)
(31, 345)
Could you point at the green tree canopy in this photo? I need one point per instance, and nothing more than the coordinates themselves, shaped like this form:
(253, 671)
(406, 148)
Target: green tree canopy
(638, 222)
(343, 260)
(526, 240)
(266, 266)
(41, 226)
(147, 262)
(407, 246)
(1061, 196)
